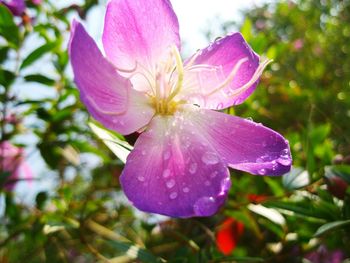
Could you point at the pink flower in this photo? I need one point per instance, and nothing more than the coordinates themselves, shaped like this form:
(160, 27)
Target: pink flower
(17, 7)
(179, 165)
(12, 164)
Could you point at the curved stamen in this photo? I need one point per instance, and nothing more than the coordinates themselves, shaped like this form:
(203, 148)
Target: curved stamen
(203, 67)
(180, 75)
(229, 78)
(254, 78)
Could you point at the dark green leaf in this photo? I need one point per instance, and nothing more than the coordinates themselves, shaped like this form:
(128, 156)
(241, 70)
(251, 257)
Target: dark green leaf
(40, 79)
(6, 77)
(331, 226)
(37, 53)
(8, 28)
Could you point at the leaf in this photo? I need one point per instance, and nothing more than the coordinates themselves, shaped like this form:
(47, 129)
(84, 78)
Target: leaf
(37, 53)
(40, 79)
(134, 252)
(272, 214)
(6, 77)
(295, 179)
(120, 148)
(342, 171)
(8, 28)
(331, 226)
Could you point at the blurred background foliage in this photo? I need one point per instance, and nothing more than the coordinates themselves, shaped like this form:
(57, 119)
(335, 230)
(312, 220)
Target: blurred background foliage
(304, 94)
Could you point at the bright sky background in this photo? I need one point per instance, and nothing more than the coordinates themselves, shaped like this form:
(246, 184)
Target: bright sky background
(194, 17)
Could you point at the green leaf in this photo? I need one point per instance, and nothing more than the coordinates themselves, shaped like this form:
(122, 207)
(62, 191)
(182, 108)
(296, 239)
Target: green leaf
(8, 28)
(40, 79)
(119, 147)
(134, 252)
(6, 77)
(330, 227)
(342, 171)
(295, 179)
(37, 53)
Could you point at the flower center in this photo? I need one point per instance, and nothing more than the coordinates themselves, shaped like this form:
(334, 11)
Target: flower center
(167, 84)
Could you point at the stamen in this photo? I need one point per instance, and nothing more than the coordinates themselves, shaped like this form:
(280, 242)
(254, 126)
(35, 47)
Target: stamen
(180, 75)
(193, 59)
(201, 67)
(255, 77)
(230, 76)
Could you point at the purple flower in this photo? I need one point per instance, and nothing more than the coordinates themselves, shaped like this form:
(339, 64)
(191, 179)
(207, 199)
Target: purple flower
(179, 165)
(323, 255)
(17, 7)
(12, 162)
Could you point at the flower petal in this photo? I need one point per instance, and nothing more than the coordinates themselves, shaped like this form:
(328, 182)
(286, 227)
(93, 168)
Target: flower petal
(244, 144)
(139, 31)
(223, 74)
(107, 95)
(174, 171)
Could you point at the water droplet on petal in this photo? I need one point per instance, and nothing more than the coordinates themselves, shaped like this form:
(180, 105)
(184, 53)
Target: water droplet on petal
(141, 178)
(193, 168)
(166, 155)
(207, 183)
(166, 173)
(210, 158)
(171, 183)
(262, 171)
(213, 174)
(259, 160)
(205, 206)
(143, 152)
(185, 189)
(173, 195)
(122, 123)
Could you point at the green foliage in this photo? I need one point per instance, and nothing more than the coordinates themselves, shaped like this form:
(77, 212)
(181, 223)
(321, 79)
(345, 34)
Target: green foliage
(304, 94)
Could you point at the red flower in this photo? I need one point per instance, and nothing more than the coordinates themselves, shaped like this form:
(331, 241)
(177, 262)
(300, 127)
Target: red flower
(256, 199)
(228, 235)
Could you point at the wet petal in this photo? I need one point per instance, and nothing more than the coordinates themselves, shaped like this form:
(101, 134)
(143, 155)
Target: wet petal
(244, 144)
(174, 171)
(108, 96)
(221, 75)
(139, 31)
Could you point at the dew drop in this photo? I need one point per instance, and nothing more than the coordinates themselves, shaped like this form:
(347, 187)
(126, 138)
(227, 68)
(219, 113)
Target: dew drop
(210, 158)
(205, 206)
(143, 152)
(213, 174)
(284, 160)
(141, 178)
(173, 195)
(122, 123)
(185, 189)
(166, 173)
(207, 183)
(193, 168)
(171, 183)
(166, 155)
(262, 171)
(259, 160)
